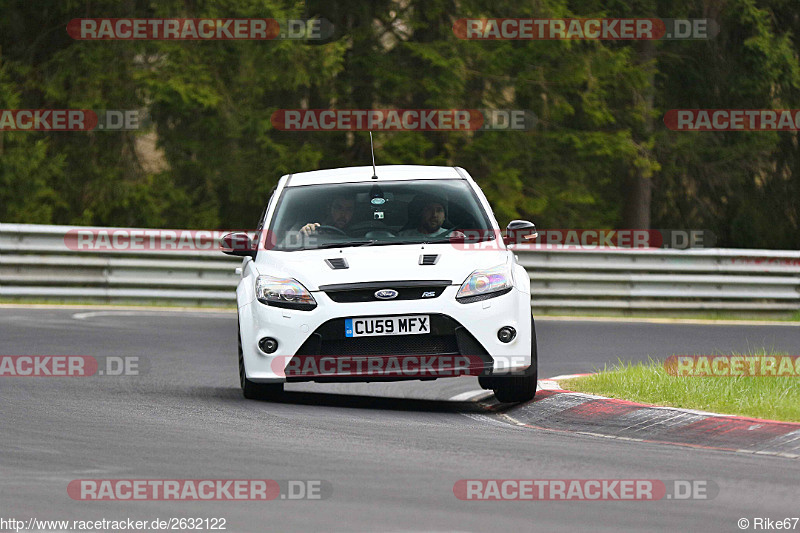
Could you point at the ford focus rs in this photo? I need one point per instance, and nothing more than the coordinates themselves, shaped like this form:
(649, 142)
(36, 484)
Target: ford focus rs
(379, 274)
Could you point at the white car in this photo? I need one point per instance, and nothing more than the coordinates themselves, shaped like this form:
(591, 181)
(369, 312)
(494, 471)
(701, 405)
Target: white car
(382, 274)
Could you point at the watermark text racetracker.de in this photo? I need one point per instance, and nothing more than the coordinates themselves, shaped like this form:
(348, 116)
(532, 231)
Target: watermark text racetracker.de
(733, 365)
(732, 119)
(584, 489)
(70, 366)
(403, 120)
(198, 489)
(601, 29)
(173, 240)
(69, 120)
(168, 240)
(396, 366)
(585, 239)
(766, 261)
(198, 29)
(136, 239)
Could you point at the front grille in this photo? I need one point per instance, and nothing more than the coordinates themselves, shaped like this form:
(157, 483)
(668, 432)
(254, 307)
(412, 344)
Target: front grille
(365, 292)
(390, 345)
(447, 337)
(368, 295)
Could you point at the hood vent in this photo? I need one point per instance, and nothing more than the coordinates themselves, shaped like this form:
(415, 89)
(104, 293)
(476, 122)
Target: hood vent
(428, 259)
(338, 263)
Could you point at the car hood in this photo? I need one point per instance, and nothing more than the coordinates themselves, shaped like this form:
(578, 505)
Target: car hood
(378, 263)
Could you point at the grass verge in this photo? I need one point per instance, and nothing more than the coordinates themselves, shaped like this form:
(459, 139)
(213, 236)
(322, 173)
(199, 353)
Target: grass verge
(773, 398)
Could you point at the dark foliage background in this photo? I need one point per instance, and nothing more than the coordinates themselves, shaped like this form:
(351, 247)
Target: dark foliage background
(600, 158)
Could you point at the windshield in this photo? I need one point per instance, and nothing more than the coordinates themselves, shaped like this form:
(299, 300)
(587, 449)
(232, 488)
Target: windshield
(373, 214)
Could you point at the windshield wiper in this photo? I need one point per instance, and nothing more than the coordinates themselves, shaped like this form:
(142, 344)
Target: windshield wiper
(342, 244)
(437, 241)
(442, 240)
(391, 243)
(451, 239)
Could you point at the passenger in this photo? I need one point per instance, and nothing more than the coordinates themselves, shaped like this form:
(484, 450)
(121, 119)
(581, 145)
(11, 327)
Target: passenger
(426, 214)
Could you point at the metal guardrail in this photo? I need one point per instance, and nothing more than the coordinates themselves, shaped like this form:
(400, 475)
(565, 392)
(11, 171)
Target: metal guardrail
(35, 264)
(715, 280)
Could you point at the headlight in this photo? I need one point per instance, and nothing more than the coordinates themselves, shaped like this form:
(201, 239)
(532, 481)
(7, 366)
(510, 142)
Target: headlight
(484, 284)
(284, 292)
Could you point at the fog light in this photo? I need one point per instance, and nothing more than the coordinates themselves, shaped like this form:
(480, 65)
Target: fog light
(268, 345)
(506, 334)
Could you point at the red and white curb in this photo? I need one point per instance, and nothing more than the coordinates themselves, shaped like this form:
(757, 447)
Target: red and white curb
(552, 383)
(556, 409)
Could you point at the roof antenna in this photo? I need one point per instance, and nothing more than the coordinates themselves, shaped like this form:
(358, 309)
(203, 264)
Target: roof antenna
(372, 149)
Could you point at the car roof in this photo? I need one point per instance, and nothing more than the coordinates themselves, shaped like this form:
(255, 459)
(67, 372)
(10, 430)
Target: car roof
(384, 173)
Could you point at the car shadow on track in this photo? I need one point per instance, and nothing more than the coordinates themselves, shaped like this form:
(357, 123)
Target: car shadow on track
(354, 401)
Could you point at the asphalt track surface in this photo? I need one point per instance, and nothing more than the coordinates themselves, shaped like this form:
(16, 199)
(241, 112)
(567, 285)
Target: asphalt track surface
(392, 452)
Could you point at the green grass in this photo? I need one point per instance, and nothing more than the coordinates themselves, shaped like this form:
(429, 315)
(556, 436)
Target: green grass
(774, 398)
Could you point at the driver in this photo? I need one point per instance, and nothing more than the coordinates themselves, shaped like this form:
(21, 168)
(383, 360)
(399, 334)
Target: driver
(340, 213)
(430, 212)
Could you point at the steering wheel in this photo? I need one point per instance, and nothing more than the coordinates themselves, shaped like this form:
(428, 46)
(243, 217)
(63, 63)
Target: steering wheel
(331, 229)
(457, 227)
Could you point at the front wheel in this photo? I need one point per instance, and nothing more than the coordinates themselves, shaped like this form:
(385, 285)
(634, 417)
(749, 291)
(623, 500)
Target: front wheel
(253, 390)
(515, 389)
(519, 388)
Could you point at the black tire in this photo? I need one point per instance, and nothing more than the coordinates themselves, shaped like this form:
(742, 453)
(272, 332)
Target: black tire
(519, 388)
(251, 389)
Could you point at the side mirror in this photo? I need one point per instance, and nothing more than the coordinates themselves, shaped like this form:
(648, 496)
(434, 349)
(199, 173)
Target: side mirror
(520, 232)
(238, 244)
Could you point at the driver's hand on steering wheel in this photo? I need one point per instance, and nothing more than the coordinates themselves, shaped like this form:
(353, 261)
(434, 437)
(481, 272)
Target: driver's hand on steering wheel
(310, 229)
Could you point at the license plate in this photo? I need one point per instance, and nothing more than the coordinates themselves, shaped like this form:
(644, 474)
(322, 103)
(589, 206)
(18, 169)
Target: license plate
(387, 325)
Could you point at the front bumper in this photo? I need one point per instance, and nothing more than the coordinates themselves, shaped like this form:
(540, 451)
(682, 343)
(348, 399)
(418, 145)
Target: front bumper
(463, 334)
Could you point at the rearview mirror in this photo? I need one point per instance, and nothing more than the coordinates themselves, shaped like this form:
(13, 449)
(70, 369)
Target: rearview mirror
(238, 244)
(520, 232)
